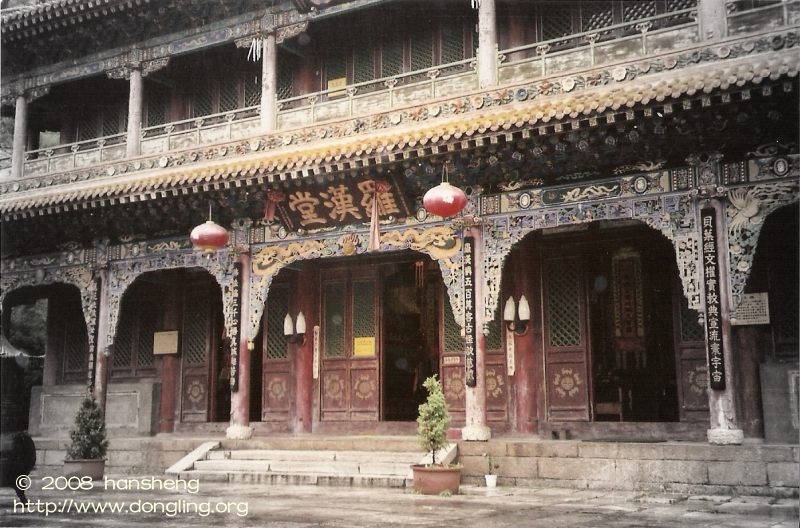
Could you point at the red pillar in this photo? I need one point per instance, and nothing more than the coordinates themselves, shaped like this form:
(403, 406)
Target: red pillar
(521, 271)
(169, 363)
(306, 288)
(240, 400)
(101, 357)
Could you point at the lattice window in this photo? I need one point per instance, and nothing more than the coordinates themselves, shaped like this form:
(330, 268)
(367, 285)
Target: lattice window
(494, 340)
(431, 321)
(88, 125)
(595, 15)
(691, 329)
(334, 319)
(452, 41)
(148, 324)
(277, 308)
(335, 67)
(285, 82)
(421, 49)
(363, 309)
(203, 103)
(228, 93)
(634, 10)
(122, 356)
(564, 302)
(195, 327)
(678, 5)
(157, 108)
(392, 57)
(453, 340)
(556, 21)
(111, 120)
(252, 88)
(76, 345)
(363, 63)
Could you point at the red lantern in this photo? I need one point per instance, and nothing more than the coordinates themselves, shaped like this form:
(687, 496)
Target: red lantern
(209, 237)
(445, 200)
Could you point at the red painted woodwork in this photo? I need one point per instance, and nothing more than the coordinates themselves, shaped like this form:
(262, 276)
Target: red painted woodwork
(306, 286)
(565, 339)
(527, 347)
(277, 386)
(690, 359)
(169, 363)
(198, 344)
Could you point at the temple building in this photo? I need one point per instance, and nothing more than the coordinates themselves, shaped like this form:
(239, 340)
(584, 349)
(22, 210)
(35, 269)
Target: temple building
(625, 264)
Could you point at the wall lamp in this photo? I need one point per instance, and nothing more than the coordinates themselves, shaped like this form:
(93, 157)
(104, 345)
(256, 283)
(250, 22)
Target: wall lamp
(517, 317)
(295, 333)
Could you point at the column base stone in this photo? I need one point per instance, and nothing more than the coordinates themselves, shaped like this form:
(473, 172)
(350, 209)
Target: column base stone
(239, 432)
(476, 433)
(725, 436)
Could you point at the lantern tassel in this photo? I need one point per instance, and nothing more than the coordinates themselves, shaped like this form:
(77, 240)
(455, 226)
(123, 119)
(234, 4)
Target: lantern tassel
(374, 227)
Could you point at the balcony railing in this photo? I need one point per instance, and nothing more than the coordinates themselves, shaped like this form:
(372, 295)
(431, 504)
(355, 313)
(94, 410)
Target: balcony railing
(609, 44)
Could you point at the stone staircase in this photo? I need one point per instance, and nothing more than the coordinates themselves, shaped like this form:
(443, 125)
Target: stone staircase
(343, 461)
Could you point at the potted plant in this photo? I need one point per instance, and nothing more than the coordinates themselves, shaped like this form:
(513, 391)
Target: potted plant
(87, 450)
(433, 421)
(491, 476)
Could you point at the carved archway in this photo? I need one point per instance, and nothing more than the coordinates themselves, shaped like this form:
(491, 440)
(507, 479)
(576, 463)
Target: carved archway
(441, 243)
(82, 277)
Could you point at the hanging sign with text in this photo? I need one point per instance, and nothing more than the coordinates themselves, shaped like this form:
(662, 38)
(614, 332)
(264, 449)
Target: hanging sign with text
(711, 287)
(470, 356)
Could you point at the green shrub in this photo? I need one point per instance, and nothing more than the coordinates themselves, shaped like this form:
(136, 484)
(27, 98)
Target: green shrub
(434, 419)
(88, 438)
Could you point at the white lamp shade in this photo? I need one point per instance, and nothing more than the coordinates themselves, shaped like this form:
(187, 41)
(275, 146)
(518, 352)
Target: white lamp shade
(301, 323)
(524, 309)
(508, 310)
(288, 326)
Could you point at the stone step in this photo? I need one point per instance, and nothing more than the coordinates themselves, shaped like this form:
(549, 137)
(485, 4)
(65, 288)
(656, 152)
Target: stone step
(366, 481)
(324, 467)
(329, 443)
(346, 456)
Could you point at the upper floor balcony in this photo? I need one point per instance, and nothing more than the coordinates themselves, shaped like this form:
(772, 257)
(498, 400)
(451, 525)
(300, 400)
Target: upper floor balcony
(386, 59)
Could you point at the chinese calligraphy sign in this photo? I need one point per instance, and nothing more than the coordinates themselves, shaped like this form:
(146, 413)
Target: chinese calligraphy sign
(470, 354)
(716, 360)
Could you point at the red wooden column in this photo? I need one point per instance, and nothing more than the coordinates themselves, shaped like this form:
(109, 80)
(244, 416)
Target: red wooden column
(526, 352)
(240, 400)
(306, 301)
(170, 365)
(101, 348)
(476, 428)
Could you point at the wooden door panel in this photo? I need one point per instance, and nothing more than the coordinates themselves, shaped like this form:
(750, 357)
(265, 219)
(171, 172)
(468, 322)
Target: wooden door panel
(496, 387)
(276, 396)
(566, 343)
(196, 349)
(364, 394)
(277, 385)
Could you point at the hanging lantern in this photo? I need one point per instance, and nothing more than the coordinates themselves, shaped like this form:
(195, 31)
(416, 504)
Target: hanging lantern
(209, 236)
(445, 200)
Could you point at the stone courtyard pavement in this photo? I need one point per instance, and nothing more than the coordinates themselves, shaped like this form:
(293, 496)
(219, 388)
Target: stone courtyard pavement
(193, 504)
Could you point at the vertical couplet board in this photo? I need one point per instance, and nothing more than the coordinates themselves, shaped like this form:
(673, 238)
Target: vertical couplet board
(470, 355)
(711, 288)
(565, 339)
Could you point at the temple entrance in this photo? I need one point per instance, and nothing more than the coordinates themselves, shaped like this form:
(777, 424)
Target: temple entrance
(379, 337)
(608, 326)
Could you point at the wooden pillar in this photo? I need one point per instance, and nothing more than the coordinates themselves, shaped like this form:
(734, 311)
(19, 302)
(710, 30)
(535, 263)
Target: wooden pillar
(476, 428)
(101, 348)
(20, 135)
(170, 363)
(525, 350)
(724, 426)
(269, 83)
(487, 44)
(713, 18)
(240, 399)
(306, 288)
(135, 101)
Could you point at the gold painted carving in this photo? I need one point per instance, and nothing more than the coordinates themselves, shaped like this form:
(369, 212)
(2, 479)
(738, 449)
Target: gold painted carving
(269, 260)
(438, 242)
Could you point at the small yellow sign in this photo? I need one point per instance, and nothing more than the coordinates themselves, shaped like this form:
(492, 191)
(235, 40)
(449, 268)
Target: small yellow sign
(165, 342)
(333, 84)
(363, 346)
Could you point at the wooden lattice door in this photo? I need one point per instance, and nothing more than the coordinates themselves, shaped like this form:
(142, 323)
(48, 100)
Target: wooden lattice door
(276, 392)
(351, 346)
(566, 343)
(196, 346)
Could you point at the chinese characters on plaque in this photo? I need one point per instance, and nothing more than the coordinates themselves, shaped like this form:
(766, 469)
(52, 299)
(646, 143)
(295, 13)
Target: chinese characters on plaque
(716, 360)
(469, 310)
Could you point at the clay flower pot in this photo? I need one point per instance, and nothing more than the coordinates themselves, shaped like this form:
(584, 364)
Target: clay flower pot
(85, 468)
(434, 480)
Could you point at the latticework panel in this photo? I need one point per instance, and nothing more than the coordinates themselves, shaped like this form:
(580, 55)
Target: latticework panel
(334, 319)
(195, 327)
(88, 126)
(634, 10)
(111, 120)
(421, 50)
(691, 329)
(431, 324)
(364, 309)
(203, 103)
(453, 340)
(595, 15)
(277, 308)
(228, 93)
(392, 57)
(157, 108)
(285, 82)
(494, 340)
(363, 64)
(123, 341)
(556, 21)
(76, 346)
(564, 302)
(148, 324)
(336, 67)
(252, 88)
(787, 313)
(452, 41)
(677, 5)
